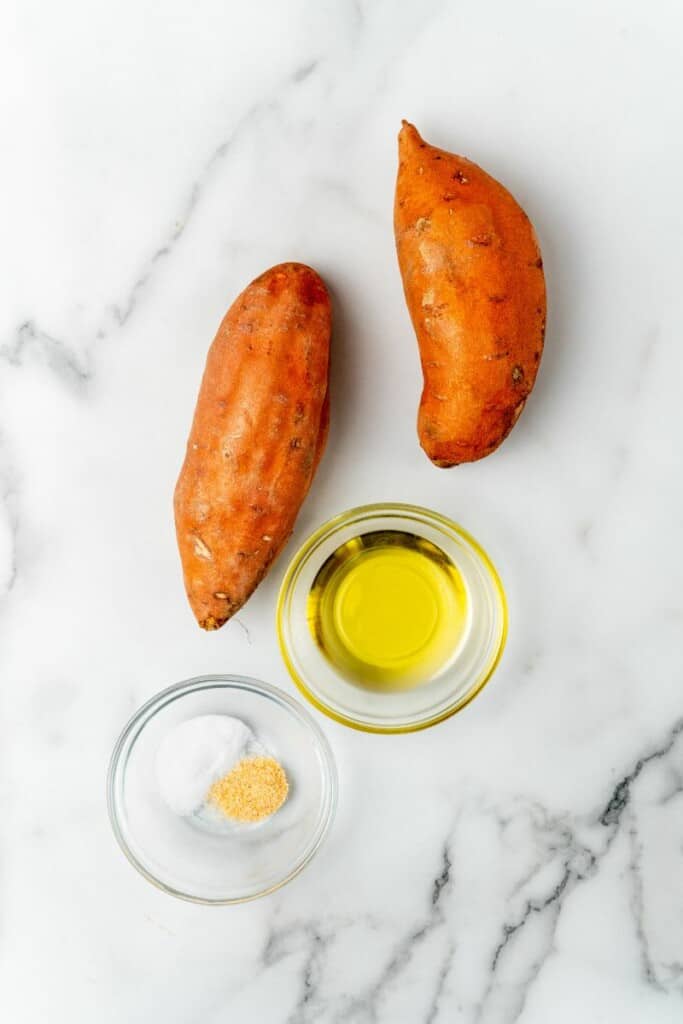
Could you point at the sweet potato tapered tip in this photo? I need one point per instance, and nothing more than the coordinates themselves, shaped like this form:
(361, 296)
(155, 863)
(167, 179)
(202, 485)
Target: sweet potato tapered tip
(408, 129)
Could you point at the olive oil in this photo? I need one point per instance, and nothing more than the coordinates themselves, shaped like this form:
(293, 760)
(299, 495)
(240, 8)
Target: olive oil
(388, 609)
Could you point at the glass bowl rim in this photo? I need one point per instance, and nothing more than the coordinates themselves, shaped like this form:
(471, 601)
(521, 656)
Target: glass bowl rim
(348, 517)
(147, 711)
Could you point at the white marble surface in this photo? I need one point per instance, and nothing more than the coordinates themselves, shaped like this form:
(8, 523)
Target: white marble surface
(523, 861)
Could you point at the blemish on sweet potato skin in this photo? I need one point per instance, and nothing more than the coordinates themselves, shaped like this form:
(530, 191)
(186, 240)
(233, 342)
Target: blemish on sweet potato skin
(212, 622)
(483, 238)
(258, 434)
(480, 267)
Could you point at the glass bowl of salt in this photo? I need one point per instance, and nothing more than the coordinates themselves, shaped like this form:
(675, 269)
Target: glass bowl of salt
(221, 789)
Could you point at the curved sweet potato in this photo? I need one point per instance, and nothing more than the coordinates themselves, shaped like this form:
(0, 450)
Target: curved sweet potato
(473, 280)
(258, 434)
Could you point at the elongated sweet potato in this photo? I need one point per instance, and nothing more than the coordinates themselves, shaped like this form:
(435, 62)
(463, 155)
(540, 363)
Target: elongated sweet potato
(473, 280)
(259, 431)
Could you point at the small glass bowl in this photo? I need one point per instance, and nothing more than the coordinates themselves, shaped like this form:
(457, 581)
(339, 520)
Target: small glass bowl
(251, 860)
(402, 710)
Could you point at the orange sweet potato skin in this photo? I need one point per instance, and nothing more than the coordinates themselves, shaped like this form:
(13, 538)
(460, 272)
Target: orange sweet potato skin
(473, 281)
(259, 430)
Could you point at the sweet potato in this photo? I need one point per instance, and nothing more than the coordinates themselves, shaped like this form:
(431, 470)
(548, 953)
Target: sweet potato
(259, 431)
(473, 281)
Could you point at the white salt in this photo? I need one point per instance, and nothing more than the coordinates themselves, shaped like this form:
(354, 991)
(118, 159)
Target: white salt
(194, 754)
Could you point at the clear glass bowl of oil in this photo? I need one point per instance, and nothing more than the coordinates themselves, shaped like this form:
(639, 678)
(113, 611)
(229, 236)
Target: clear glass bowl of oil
(391, 618)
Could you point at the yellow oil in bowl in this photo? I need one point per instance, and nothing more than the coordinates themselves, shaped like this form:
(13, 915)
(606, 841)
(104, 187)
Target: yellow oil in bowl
(388, 609)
